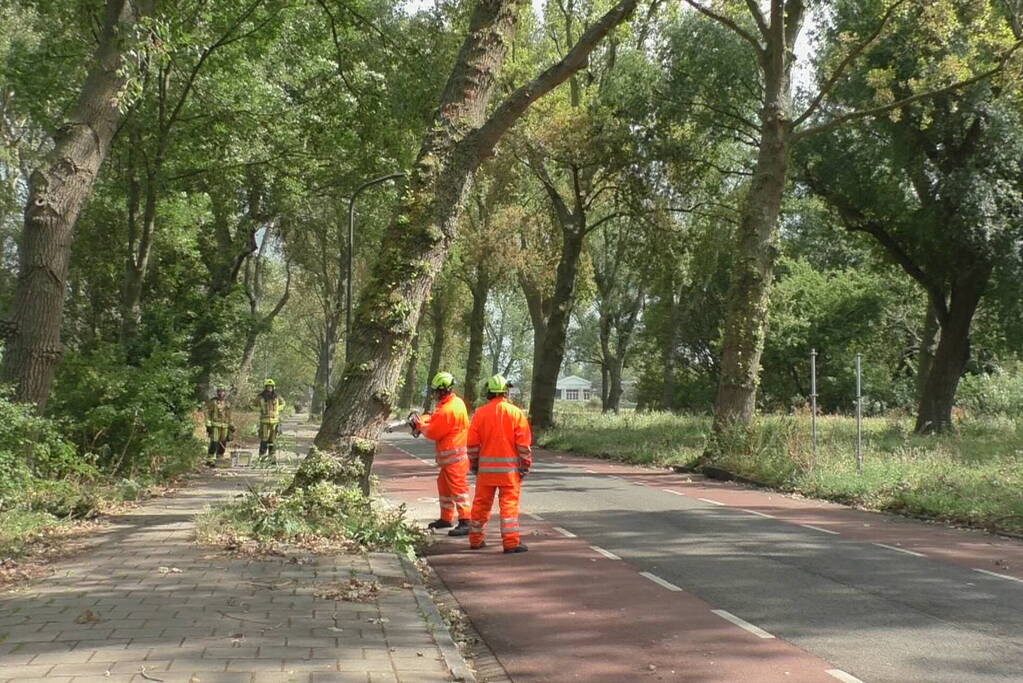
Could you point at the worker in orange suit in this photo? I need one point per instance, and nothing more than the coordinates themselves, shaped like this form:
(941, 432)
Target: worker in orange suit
(500, 454)
(447, 427)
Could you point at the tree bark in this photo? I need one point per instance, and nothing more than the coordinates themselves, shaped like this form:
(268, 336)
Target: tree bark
(928, 346)
(552, 350)
(411, 384)
(57, 192)
(952, 353)
(477, 324)
(668, 350)
(425, 223)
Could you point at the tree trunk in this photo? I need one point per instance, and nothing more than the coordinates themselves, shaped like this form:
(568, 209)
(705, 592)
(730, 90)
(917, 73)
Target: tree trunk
(552, 351)
(321, 383)
(928, 346)
(614, 394)
(57, 192)
(752, 272)
(411, 385)
(668, 351)
(477, 324)
(425, 223)
(605, 359)
(952, 354)
(440, 331)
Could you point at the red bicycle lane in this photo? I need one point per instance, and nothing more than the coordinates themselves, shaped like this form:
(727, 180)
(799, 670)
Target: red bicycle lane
(567, 610)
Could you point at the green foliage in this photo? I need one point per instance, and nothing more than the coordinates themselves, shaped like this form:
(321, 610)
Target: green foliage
(321, 512)
(132, 419)
(996, 393)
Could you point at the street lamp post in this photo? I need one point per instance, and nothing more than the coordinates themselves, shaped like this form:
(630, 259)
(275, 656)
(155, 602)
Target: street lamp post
(351, 255)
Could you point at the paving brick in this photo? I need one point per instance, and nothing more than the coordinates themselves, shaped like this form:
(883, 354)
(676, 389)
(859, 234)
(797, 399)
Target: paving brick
(119, 678)
(61, 657)
(81, 669)
(285, 677)
(255, 665)
(311, 664)
(135, 667)
(57, 679)
(197, 664)
(365, 665)
(27, 670)
(340, 677)
(124, 655)
(230, 653)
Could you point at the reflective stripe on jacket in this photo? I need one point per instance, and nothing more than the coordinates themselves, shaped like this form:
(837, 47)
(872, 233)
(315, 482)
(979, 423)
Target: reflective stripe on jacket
(500, 439)
(448, 427)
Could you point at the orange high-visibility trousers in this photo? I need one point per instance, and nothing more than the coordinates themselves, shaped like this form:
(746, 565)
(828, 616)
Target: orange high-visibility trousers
(508, 502)
(453, 490)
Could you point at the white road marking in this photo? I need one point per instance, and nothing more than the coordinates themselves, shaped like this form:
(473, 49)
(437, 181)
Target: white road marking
(899, 550)
(1000, 576)
(564, 532)
(712, 502)
(842, 676)
(758, 514)
(677, 493)
(742, 623)
(661, 582)
(820, 529)
(591, 471)
(609, 555)
(536, 517)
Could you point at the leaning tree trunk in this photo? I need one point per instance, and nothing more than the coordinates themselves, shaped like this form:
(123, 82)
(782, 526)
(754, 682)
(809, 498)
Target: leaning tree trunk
(552, 353)
(951, 356)
(421, 233)
(477, 323)
(57, 192)
(411, 385)
(752, 272)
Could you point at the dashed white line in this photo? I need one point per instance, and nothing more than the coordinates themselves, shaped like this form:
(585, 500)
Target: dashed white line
(899, 550)
(742, 623)
(1000, 576)
(564, 532)
(842, 676)
(677, 493)
(536, 517)
(758, 514)
(661, 582)
(712, 502)
(606, 553)
(820, 529)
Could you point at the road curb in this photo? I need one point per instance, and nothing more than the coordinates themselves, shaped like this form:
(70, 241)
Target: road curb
(460, 671)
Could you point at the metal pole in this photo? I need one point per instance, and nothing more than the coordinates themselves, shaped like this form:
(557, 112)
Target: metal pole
(813, 401)
(351, 256)
(859, 413)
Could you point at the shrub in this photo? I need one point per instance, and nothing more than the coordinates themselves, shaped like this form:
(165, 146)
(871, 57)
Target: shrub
(132, 418)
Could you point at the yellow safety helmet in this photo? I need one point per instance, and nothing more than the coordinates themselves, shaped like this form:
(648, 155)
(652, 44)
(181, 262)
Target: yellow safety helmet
(497, 385)
(442, 380)
(269, 383)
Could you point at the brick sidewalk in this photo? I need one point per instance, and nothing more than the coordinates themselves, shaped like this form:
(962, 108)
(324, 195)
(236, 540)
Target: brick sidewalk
(147, 604)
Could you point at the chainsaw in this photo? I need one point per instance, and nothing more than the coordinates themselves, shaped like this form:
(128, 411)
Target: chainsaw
(411, 422)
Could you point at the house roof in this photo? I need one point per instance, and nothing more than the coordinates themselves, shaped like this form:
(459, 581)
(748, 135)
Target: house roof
(574, 382)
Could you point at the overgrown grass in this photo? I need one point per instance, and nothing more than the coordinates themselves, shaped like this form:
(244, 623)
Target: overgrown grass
(973, 476)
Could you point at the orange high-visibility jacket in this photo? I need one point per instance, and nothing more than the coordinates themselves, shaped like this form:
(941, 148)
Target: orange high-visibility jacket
(500, 442)
(447, 426)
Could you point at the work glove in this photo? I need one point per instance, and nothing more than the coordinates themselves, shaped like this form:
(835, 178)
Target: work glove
(209, 432)
(523, 472)
(475, 469)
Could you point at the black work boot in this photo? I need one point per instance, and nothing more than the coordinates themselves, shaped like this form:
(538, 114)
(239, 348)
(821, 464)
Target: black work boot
(439, 524)
(262, 447)
(461, 530)
(520, 548)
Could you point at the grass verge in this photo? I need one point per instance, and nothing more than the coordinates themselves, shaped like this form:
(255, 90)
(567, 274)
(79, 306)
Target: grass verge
(972, 477)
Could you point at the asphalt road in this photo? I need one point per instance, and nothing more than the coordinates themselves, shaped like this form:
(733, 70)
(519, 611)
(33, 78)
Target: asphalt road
(870, 612)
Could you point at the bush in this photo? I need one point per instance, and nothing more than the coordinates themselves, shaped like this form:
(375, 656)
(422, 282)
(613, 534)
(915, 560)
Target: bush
(132, 419)
(997, 393)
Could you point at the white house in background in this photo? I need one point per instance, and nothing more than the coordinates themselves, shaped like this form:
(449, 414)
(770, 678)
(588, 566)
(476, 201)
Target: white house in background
(573, 388)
